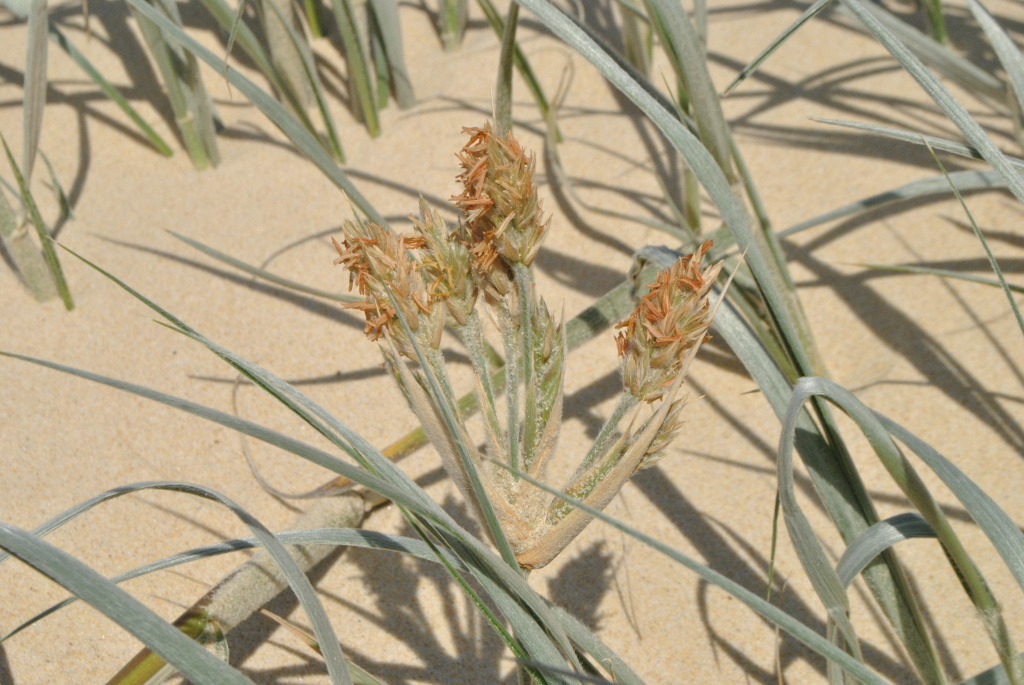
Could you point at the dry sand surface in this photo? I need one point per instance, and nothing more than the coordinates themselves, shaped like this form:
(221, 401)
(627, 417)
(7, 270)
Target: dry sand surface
(942, 358)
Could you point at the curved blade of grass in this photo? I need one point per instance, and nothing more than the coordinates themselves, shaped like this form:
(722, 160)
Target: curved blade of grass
(109, 90)
(877, 434)
(920, 139)
(841, 495)
(274, 110)
(386, 13)
(322, 627)
(933, 185)
(49, 254)
(954, 110)
(984, 243)
(536, 627)
(943, 273)
(878, 538)
(35, 85)
(780, 618)
(503, 86)
(1008, 53)
(339, 537)
(191, 659)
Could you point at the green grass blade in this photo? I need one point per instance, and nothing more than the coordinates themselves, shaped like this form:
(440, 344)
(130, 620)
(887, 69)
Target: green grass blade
(954, 110)
(927, 50)
(359, 78)
(274, 110)
(192, 660)
(35, 86)
(943, 273)
(920, 139)
(522, 63)
(807, 15)
(111, 92)
(1008, 53)
(503, 85)
(386, 13)
(984, 243)
(686, 53)
(311, 77)
(878, 538)
(23, 252)
(963, 180)
(452, 17)
(49, 253)
(263, 273)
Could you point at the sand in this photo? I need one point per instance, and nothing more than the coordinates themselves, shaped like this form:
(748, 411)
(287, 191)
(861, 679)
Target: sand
(942, 358)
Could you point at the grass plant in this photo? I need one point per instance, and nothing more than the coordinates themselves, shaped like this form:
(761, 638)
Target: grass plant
(460, 276)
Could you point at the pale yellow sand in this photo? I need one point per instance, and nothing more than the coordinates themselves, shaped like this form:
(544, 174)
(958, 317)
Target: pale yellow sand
(942, 358)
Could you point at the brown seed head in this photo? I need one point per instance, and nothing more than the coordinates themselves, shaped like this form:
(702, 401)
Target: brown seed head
(379, 262)
(669, 320)
(503, 223)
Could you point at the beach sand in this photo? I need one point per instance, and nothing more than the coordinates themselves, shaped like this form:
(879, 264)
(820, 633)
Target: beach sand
(942, 358)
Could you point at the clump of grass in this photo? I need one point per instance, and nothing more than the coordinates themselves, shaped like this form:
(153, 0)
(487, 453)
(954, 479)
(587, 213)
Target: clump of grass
(413, 285)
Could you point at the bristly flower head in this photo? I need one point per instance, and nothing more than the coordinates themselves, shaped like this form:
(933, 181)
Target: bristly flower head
(670, 319)
(446, 265)
(378, 262)
(504, 225)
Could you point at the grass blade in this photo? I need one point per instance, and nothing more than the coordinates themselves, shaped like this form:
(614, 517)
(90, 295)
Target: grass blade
(965, 181)
(878, 538)
(943, 273)
(920, 139)
(1008, 53)
(807, 15)
(49, 253)
(386, 14)
(522, 64)
(503, 86)
(35, 86)
(984, 243)
(23, 252)
(189, 658)
(359, 78)
(686, 53)
(274, 110)
(111, 92)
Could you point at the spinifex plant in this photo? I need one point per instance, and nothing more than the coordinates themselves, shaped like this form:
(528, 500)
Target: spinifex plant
(415, 285)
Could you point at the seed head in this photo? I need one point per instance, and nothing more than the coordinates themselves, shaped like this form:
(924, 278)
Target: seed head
(669, 320)
(379, 262)
(503, 223)
(446, 265)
